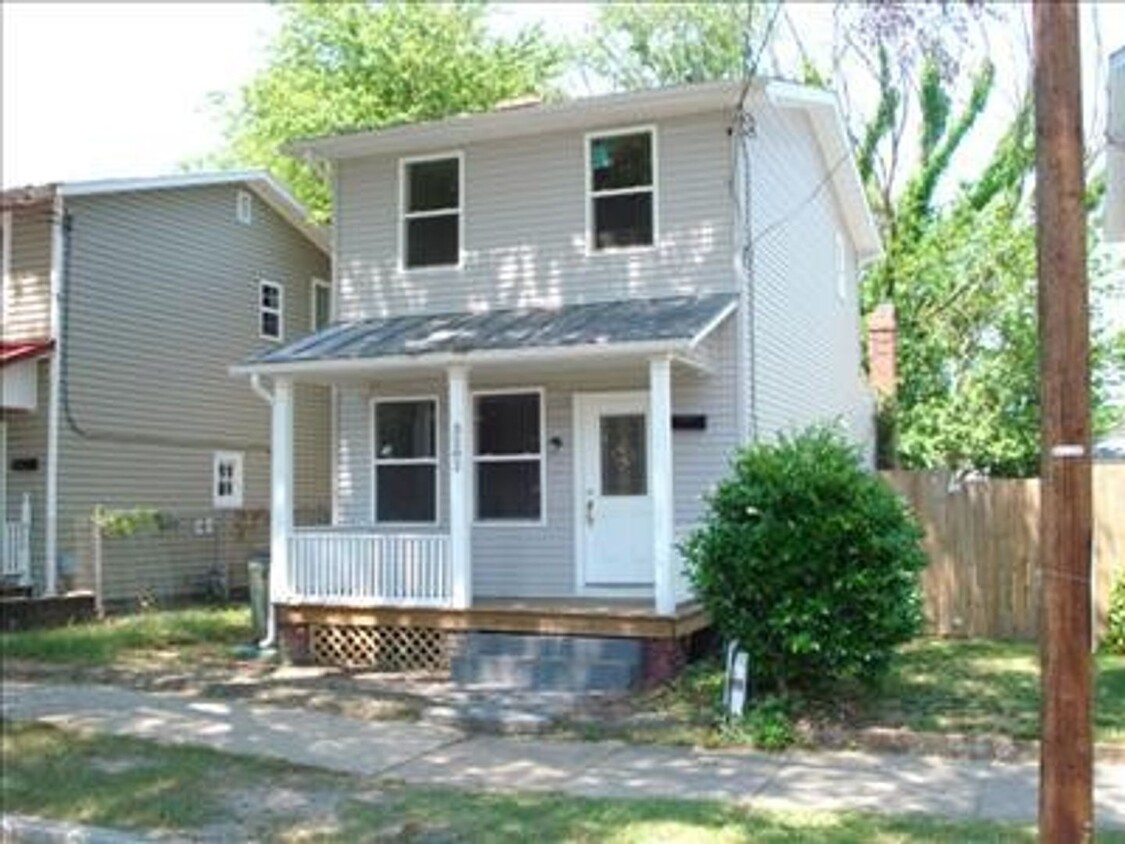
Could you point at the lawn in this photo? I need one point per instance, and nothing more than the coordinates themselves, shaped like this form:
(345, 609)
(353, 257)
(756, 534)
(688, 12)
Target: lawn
(936, 685)
(190, 632)
(203, 794)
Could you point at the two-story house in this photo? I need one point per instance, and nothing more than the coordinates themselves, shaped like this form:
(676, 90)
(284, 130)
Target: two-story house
(124, 302)
(556, 324)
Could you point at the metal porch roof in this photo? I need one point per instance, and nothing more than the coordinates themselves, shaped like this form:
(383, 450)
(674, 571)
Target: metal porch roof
(671, 320)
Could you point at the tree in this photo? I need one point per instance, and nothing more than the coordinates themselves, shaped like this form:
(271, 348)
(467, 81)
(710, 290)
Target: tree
(338, 67)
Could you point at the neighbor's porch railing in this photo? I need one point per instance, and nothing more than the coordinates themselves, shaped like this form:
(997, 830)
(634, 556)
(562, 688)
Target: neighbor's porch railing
(354, 568)
(16, 561)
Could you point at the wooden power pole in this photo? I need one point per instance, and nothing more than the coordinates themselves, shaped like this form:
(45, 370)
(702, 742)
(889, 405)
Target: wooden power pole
(1066, 761)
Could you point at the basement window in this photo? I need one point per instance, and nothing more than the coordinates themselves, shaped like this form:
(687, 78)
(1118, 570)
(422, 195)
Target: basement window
(621, 189)
(431, 211)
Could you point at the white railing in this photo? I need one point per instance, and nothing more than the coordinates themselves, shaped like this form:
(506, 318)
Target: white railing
(16, 563)
(347, 567)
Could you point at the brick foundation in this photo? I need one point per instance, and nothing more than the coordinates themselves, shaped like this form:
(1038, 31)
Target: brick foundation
(293, 642)
(664, 659)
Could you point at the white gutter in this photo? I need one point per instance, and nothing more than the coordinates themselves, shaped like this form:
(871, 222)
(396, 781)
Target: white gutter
(51, 523)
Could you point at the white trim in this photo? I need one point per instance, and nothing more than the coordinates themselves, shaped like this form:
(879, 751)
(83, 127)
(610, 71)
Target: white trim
(460, 486)
(511, 458)
(314, 285)
(660, 473)
(244, 207)
(679, 349)
(376, 461)
(238, 475)
(54, 405)
(404, 215)
(279, 311)
(580, 403)
(710, 327)
(841, 268)
(590, 195)
(6, 302)
(271, 191)
(281, 494)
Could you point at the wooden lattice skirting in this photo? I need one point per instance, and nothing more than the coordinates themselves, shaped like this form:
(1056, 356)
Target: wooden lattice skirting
(380, 648)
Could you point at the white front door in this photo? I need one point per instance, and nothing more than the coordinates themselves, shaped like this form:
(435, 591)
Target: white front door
(614, 504)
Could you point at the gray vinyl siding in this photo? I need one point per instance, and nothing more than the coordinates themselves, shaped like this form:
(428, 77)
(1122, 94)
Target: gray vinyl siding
(27, 296)
(537, 560)
(807, 359)
(525, 227)
(162, 297)
(27, 439)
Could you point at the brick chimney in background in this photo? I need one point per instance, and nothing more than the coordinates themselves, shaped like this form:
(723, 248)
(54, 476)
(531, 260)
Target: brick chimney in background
(882, 350)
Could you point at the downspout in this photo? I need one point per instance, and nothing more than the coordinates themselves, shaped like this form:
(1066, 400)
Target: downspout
(59, 232)
(271, 614)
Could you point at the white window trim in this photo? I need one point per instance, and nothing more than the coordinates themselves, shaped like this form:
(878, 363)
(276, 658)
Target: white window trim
(315, 285)
(244, 207)
(279, 310)
(512, 458)
(234, 500)
(376, 461)
(403, 215)
(590, 194)
(841, 269)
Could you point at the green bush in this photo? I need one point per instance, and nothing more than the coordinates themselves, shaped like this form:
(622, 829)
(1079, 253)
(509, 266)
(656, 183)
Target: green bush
(1114, 640)
(810, 562)
(769, 725)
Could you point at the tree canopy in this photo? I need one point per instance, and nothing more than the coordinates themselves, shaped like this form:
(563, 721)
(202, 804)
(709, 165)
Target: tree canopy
(338, 67)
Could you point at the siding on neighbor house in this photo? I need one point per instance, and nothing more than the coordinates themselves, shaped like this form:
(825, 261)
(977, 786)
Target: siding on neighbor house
(162, 297)
(27, 295)
(538, 560)
(525, 227)
(807, 365)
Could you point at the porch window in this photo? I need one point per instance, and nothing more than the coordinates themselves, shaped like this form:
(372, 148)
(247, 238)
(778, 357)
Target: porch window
(508, 452)
(621, 186)
(405, 440)
(431, 212)
(270, 302)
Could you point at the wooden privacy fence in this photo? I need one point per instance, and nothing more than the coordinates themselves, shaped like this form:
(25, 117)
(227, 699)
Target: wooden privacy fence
(982, 537)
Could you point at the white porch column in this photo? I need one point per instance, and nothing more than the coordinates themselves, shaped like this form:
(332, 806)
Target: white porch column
(660, 482)
(460, 486)
(281, 487)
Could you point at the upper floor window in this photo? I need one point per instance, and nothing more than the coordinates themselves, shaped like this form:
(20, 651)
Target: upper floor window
(431, 212)
(320, 305)
(271, 299)
(621, 187)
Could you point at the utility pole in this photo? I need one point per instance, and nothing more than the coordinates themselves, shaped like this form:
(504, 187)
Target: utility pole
(1066, 756)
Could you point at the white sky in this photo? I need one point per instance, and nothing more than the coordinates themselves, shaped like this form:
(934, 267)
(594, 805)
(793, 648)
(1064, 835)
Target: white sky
(93, 90)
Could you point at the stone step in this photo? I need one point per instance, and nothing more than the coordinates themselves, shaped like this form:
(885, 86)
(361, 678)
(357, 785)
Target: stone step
(547, 647)
(553, 674)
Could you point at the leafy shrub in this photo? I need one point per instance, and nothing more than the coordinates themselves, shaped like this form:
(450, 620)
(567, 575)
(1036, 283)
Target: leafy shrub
(1114, 640)
(810, 562)
(768, 724)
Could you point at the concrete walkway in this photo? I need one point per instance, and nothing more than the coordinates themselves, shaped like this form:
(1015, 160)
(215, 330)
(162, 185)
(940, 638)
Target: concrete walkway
(442, 756)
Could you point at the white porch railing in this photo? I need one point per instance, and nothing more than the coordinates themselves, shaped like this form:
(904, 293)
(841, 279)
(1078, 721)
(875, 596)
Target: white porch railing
(16, 564)
(348, 567)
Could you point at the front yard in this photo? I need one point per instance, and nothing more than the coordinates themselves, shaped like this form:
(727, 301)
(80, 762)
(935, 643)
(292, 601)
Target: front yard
(207, 795)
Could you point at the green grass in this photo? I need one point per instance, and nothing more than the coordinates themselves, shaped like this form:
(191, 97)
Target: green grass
(105, 642)
(139, 785)
(942, 686)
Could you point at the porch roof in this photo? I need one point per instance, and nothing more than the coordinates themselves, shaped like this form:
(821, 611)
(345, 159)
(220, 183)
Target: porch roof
(639, 326)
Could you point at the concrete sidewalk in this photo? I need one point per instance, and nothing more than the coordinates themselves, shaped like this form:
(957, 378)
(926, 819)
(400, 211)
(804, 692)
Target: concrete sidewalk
(442, 756)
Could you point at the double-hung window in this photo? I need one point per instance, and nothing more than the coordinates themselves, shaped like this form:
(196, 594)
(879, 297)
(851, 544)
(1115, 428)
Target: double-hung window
(431, 212)
(621, 188)
(271, 300)
(227, 479)
(320, 305)
(508, 453)
(405, 440)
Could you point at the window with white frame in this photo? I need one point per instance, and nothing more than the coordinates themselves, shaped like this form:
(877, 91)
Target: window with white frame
(226, 483)
(271, 301)
(405, 439)
(431, 212)
(621, 189)
(508, 453)
(244, 207)
(320, 306)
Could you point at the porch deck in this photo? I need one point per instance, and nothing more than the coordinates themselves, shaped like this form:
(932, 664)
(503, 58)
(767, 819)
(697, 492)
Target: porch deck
(635, 619)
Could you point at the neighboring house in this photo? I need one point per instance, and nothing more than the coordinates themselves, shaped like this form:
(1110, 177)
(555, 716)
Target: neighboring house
(123, 304)
(556, 325)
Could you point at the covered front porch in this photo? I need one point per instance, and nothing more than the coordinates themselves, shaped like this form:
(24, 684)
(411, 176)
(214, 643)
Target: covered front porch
(528, 447)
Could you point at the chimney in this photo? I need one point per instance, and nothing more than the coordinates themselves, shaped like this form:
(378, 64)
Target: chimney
(882, 350)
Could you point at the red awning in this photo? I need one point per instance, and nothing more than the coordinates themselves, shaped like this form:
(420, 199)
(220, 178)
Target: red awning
(13, 351)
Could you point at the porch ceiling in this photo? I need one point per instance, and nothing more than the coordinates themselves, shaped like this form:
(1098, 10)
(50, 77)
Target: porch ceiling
(672, 325)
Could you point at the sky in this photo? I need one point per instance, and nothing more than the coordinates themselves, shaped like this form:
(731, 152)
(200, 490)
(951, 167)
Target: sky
(99, 90)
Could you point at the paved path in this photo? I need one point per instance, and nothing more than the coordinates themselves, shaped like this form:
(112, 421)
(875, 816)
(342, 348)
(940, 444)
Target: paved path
(442, 756)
